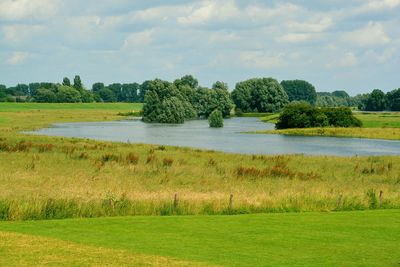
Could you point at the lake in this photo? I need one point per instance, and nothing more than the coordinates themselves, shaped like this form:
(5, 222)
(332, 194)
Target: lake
(231, 138)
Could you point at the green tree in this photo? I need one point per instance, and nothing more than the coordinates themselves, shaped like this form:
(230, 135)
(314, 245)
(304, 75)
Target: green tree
(216, 120)
(164, 103)
(77, 82)
(3, 94)
(340, 93)
(376, 101)
(96, 87)
(299, 90)
(68, 94)
(107, 95)
(116, 88)
(33, 87)
(144, 87)
(129, 92)
(393, 100)
(21, 90)
(45, 96)
(87, 96)
(268, 95)
(66, 81)
(341, 117)
(241, 96)
(220, 85)
(259, 95)
(173, 111)
(303, 115)
(187, 80)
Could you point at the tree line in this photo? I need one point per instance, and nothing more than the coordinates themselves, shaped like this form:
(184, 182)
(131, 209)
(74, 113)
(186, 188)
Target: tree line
(253, 95)
(72, 92)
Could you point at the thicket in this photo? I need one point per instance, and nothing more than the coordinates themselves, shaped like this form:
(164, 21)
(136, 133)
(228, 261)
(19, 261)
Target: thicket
(304, 115)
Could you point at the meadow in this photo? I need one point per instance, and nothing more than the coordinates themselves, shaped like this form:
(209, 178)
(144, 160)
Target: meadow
(280, 210)
(53, 177)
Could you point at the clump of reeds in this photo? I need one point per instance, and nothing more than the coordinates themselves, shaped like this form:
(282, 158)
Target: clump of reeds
(132, 158)
(45, 147)
(167, 162)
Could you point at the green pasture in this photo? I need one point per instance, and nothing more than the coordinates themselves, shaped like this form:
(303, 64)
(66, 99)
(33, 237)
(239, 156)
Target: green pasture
(368, 238)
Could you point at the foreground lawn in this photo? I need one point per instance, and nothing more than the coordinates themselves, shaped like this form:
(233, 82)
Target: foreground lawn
(369, 238)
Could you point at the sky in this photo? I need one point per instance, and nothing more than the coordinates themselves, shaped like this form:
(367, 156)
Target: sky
(351, 45)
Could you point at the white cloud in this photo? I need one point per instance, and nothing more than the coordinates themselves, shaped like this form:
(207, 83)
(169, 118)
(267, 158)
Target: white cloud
(258, 59)
(206, 11)
(379, 5)
(347, 60)
(257, 13)
(18, 58)
(222, 37)
(295, 38)
(138, 39)
(317, 25)
(28, 9)
(372, 35)
(18, 34)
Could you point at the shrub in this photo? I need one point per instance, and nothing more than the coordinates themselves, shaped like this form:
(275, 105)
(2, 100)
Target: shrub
(303, 115)
(216, 120)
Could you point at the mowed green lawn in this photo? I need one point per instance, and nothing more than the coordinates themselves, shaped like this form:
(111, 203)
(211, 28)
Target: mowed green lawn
(70, 106)
(363, 238)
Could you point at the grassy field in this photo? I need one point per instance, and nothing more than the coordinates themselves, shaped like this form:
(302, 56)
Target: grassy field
(369, 238)
(383, 125)
(53, 177)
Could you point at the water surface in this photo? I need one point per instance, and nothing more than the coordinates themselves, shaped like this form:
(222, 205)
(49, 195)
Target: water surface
(231, 138)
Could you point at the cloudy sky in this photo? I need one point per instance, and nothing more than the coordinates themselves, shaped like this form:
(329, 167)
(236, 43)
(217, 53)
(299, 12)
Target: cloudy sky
(334, 44)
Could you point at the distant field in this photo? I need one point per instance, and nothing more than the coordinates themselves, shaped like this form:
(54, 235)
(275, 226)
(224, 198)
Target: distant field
(70, 106)
(379, 120)
(368, 238)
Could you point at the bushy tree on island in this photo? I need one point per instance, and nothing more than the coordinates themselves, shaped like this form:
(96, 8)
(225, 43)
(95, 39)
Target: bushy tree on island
(303, 115)
(165, 104)
(299, 90)
(182, 100)
(259, 95)
(216, 120)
